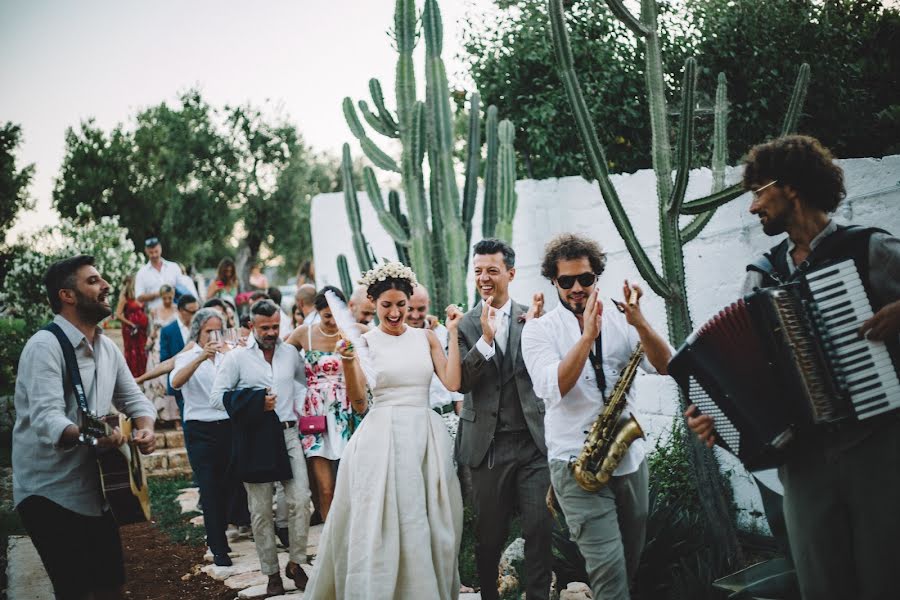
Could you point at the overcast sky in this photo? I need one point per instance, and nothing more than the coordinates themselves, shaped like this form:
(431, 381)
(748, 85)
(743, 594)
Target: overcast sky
(66, 61)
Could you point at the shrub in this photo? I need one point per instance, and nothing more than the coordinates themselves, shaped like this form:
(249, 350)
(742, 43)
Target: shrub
(14, 333)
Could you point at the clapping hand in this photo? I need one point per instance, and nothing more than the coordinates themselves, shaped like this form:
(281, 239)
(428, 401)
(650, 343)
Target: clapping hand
(454, 316)
(593, 316)
(631, 308)
(488, 320)
(537, 307)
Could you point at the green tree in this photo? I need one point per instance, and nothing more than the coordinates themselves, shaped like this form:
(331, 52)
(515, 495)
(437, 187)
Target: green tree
(14, 182)
(171, 176)
(852, 47)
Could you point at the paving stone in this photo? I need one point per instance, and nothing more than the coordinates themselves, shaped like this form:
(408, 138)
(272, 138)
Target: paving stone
(178, 458)
(26, 577)
(156, 462)
(246, 580)
(197, 521)
(160, 440)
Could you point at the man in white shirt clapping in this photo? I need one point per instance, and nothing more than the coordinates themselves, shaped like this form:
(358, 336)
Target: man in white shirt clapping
(575, 355)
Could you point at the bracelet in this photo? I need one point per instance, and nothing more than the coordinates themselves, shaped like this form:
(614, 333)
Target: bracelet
(348, 357)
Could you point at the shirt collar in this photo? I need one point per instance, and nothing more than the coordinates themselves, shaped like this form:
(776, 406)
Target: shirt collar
(73, 333)
(826, 231)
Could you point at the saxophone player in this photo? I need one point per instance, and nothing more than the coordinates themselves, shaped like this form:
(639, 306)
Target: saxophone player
(575, 355)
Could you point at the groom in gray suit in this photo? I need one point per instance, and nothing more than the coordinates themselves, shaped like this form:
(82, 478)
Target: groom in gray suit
(501, 427)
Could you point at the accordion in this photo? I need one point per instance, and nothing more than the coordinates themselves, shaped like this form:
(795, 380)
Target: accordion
(786, 359)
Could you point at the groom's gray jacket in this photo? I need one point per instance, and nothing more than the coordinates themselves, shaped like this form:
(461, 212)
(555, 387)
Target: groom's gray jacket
(481, 383)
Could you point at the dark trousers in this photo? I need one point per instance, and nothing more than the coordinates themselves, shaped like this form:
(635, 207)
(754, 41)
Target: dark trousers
(81, 554)
(209, 450)
(514, 474)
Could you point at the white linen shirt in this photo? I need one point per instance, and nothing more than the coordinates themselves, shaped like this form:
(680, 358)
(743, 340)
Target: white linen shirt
(545, 342)
(246, 367)
(149, 280)
(198, 389)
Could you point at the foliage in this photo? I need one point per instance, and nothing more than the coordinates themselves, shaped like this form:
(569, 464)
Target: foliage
(14, 333)
(852, 47)
(171, 176)
(14, 182)
(511, 60)
(24, 295)
(167, 513)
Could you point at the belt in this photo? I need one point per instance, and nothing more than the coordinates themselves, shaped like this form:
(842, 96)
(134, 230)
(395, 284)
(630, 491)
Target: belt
(443, 410)
(288, 424)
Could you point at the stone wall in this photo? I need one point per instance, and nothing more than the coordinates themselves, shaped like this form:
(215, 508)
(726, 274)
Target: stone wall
(714, 262)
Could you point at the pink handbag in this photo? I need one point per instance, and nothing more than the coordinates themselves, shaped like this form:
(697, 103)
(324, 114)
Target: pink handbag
(312, 424)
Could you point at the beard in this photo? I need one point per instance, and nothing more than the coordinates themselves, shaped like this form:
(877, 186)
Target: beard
(267, 343)
(89, 309)
(576, 308)
(774, 225)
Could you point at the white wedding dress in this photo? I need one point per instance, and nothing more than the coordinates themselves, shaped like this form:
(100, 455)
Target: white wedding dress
(395, 524)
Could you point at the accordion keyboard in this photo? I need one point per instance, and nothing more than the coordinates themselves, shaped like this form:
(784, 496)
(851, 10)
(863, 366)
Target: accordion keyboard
(863, 368)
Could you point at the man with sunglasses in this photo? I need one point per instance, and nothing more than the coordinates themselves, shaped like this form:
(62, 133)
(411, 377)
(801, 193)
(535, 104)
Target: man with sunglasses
(155, 274)
(575, 354)
(173, 338)
(841, 481)
(501, 426)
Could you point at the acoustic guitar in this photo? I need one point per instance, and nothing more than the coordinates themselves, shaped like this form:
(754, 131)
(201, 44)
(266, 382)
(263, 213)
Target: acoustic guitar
(122, 476)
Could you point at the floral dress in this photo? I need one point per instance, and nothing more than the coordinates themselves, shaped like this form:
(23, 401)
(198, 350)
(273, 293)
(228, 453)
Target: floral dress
(156, 389)
(326, 394)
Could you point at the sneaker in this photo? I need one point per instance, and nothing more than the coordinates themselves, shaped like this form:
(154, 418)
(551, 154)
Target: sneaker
(222, 560)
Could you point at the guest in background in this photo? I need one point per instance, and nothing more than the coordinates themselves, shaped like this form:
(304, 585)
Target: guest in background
(226, 283)
(442, 399)
(230, 313)
(157, 389)
(134, 321)
(154, 275)
(296, 317)
(174, 337)
(286, 325)
(258, 280)
(326, 395)
(184, 284)
(306, 302)
(306, 274)
(362, 308)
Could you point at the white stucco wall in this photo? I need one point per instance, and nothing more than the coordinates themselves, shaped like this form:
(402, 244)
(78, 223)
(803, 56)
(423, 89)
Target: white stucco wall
(714, 261)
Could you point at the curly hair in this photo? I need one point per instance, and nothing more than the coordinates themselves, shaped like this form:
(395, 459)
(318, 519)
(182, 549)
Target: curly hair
(571, 246)
(801, 162)
(390, 283)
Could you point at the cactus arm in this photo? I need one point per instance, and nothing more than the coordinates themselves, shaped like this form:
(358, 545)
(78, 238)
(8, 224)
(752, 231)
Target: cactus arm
(719, 158)
(394, 207)
(685, 137)
(419, 138)
(375, 154)
(473, 165)
(656, 96)
(344, 274)
(594, 151)
(375, 122)
(795, 108)
(441, 129)
(388, 221)
(798, 97)
(629, 20)
(390, 123)
(489, 218)
(506, 182)
(351, 204)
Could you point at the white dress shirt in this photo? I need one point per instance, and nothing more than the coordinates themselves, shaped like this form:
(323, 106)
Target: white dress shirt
(545, 342)
(501, 336)
(198, 389)
(45, 407)
(149, 280)
(246, 367)
(437, 393)
(285, 326)
(185, 332)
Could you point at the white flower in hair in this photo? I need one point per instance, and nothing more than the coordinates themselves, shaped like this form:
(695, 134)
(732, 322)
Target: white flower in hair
(392, 269)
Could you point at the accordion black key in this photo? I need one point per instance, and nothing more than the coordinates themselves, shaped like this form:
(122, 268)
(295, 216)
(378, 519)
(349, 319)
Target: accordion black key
(783, 360)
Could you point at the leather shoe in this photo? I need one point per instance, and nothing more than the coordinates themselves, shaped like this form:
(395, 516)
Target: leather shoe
(294, 571)
(275, 587)
(222, 560)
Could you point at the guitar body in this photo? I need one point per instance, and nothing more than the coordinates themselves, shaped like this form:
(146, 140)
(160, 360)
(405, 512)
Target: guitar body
(123, 479)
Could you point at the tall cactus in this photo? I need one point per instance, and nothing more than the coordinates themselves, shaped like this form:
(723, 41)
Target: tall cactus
(344, 275)
(670, 284)
(506, 182)
(434, 235)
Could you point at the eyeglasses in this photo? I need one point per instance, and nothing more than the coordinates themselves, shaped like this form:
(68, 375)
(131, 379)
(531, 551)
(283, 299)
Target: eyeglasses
(759, 189)
(150, 242)
(584, 280)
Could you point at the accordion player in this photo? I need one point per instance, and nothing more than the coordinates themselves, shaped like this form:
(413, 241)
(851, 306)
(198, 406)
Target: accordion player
(782, 361)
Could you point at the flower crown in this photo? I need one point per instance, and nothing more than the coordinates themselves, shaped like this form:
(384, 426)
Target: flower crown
(394, 270)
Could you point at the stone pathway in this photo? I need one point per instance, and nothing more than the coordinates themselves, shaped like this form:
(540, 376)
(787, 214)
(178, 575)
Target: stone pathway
(26, 577)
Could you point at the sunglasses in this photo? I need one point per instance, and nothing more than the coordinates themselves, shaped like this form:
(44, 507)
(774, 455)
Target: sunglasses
(150, 242)
(756, 192)
(584, 280)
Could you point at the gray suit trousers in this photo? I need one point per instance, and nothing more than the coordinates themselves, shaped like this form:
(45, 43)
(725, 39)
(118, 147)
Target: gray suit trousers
(513, 474)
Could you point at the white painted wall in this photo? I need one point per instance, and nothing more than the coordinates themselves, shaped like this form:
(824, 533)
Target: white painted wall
(715, 261)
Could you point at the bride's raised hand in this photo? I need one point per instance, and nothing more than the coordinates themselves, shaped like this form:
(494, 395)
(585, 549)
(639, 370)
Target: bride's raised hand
(454, 316)
(345, 348)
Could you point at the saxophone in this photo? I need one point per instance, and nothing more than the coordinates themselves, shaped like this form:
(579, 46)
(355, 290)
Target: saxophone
(607, 441)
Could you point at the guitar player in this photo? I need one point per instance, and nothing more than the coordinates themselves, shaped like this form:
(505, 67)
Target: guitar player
(56, 483)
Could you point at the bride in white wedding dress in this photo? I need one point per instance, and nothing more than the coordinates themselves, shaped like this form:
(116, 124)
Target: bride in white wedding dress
(395, 523)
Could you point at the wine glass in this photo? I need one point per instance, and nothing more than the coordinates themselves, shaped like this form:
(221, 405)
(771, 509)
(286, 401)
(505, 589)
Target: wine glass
(231, 337)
